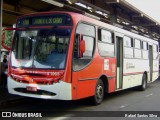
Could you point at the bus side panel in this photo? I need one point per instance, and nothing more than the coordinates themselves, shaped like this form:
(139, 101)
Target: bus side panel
(74, 85)
(155, 63)
(133, 72)
(155, 70)
(86, 88)
(87, 78)
(109, 69)
(111, 83)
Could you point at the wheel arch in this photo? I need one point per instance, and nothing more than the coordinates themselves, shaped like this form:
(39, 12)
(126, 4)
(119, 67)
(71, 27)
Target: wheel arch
(145, 73)
(104, 79)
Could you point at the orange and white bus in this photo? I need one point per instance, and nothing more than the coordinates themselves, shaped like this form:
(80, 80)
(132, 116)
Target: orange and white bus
(69, 56)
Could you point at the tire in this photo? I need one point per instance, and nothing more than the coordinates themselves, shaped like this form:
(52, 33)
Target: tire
(144, 83)
(99, 93)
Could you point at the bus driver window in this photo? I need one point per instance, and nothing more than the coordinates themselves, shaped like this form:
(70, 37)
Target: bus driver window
(87, 33)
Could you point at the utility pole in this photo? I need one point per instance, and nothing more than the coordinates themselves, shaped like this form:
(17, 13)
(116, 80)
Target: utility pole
(1, 11)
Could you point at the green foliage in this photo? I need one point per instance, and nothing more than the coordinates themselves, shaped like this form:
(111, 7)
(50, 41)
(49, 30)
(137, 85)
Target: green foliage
(8, 38)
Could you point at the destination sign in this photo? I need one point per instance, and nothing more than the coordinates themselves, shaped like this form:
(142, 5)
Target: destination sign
(44, 20)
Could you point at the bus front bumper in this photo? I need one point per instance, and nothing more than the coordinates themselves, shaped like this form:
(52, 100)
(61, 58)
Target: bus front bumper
(58, 91)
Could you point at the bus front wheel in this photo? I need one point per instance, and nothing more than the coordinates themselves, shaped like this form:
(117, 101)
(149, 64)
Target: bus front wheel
(99, 93)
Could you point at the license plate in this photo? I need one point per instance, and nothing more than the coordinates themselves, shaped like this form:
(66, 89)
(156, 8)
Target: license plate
(29, 88)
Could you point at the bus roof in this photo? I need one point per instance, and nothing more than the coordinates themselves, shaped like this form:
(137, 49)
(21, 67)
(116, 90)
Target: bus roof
(96, 22)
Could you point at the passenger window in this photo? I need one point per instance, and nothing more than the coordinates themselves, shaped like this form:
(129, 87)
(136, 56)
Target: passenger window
(106, 36)
(145, 45)
(145, 50)
(155, 51)
(128, 47)
(155, 48)
(137, 50)
(137, 44)
(128, 42)
(105, 43)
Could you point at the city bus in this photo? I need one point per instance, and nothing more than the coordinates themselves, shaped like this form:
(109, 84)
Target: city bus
(70, 56)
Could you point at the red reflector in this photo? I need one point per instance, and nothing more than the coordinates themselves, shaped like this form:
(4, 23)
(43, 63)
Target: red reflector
(29, 88)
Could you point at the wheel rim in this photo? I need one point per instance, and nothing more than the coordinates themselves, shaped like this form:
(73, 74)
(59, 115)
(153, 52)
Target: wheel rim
(99, 92)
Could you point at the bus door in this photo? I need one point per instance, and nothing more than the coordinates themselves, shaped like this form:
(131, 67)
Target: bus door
(119, 60)
(150, 62)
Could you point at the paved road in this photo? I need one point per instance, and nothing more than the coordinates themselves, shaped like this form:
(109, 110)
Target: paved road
(119, 102)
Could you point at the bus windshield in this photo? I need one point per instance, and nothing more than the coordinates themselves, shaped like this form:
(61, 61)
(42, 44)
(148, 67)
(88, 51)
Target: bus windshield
(40, 48)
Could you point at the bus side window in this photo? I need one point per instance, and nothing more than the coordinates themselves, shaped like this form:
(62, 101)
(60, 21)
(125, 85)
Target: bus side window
(137, 49)
(86, 57)
(106, 43)
(128, 47)
(144, 50)
(155, 52)
(86, 33)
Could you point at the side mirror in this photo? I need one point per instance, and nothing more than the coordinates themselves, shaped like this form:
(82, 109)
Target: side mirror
(82, 46)
(7, 37)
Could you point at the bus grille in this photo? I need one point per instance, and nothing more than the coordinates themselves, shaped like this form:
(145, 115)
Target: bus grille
(37, 82)
(38, 92)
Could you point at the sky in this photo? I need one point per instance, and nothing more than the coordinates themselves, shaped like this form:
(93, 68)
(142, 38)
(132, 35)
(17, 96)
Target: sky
(149, 7)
